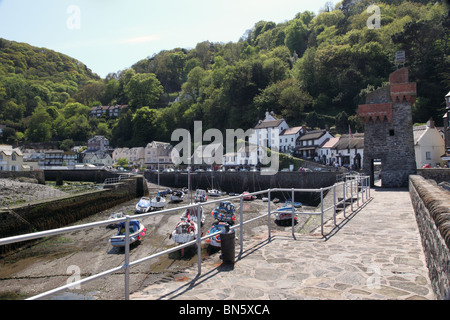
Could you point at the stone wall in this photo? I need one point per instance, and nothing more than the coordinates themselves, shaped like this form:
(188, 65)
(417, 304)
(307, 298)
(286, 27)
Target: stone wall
(57, 213)
(245, 181)
(438, 175)
(38, 175)
(88, 175)
(432, 207)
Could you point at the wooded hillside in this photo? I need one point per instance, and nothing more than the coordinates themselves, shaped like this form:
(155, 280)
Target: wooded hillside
(311, 70)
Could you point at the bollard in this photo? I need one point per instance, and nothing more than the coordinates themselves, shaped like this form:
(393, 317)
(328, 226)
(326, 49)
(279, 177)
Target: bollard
(227, 243)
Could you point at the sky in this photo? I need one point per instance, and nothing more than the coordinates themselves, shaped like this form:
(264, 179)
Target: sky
(112, 35)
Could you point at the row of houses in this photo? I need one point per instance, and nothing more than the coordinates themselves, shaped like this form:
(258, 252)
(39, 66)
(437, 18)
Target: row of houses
(317, 145)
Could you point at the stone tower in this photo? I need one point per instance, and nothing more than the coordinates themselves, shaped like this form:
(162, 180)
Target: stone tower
(388, 137)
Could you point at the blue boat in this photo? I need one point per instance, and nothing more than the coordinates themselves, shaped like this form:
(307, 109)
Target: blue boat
(137, 230)
(225, 212)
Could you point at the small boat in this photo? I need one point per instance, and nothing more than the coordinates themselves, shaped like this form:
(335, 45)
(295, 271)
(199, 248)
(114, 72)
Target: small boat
(248, 197)
(185, 231)
(200, 196)
(296, 204)
(214, 193)
(225, 212)
(193, 214)
(221, 227)
(265, 199)
(158, 202)
(177, 196)
(114, 216)
(165, 192)
(137, 230)
(284, 217)
(144, 205)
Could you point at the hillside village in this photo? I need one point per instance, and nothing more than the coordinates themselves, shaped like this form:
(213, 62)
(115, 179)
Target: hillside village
(317, 145)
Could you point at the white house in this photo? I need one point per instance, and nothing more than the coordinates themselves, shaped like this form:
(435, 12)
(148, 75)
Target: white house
(11, 159)
(288, 138)
(349, 150)
(428, 144)
(326, 154)
(308, 144)
(267, 131)
(135, 156)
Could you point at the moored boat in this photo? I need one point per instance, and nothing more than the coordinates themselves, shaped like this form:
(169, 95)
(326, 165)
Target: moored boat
(225, 212)
(158, 202)
(193, 214)
(144, 205)
(137, 231)
(177, 196)
(221, 227)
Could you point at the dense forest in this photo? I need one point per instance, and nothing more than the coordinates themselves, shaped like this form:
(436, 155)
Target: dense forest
(312, 70)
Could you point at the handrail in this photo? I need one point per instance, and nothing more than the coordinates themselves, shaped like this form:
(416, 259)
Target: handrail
(362, 185)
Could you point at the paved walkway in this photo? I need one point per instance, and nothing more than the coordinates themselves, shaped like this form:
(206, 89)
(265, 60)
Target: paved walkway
(373, 254)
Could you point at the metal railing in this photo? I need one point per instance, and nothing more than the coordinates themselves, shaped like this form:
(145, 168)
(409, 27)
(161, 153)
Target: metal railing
(351, 187)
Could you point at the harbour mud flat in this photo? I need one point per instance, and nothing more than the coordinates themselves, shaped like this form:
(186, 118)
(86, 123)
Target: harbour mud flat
(55, 261)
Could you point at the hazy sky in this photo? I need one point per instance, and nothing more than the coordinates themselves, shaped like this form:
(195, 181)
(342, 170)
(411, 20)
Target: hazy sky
(111, 35)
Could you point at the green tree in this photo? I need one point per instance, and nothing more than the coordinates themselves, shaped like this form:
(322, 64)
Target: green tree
(143, 90)
(39, 127)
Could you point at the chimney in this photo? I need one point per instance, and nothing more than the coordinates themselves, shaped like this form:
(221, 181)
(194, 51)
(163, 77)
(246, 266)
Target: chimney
(430, 123)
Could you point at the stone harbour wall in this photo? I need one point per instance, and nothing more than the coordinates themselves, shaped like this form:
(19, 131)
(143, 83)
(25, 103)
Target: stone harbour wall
(432, 207)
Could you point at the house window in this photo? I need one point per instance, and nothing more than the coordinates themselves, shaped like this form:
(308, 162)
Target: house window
(13, 157)
(428, 155)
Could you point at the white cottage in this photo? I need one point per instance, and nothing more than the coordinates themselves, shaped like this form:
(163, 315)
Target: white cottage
(428, 145)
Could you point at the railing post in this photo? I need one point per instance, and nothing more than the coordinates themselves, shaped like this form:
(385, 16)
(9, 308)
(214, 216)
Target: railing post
(293, 213)
(351, 192)
(127, 258)
(321, 210)
(268, 216)
(358, 181)
(241, 223)
(344, 197)
(199, 240)
(334, 203)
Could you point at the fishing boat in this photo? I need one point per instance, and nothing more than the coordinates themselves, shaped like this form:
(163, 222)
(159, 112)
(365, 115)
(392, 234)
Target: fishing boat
(144, 205)
(137, 231)
(177, 196)
(193, 214)
(285, 217)
(185, 231)
(200, 196)
(221, 227)
(158, 202)
(225, 212)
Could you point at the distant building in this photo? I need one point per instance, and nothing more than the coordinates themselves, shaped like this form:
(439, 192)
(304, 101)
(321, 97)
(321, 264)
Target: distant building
(11, 159)
(428, 145)
(446, 156)
(98, 143)
(110, 111)
(135, 156)
(308, 144)
(267, 132)
(288, 138)
(158, 153)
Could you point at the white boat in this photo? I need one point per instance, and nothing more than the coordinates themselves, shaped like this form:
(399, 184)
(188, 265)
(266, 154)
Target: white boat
(177, 196)
(144, 205)
(200, 195)
(214, 193)
(185, 231)
(137, 231)
(158, 202)
(193, 214)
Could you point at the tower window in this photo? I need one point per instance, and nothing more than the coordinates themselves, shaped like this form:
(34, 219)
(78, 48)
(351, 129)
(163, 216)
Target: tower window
(391, 133)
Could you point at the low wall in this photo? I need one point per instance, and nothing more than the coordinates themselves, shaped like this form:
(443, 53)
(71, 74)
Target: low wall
(57, 213)
(88, 175)
(438, 175)
(432, 207)
(37, 174)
